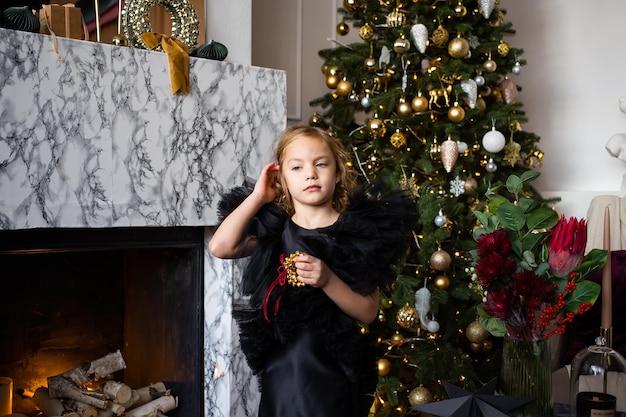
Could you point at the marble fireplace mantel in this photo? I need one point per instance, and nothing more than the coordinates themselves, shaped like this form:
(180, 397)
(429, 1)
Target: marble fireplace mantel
(97, 140)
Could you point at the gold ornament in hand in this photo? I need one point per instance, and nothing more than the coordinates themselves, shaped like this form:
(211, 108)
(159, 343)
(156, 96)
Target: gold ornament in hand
(290, 267)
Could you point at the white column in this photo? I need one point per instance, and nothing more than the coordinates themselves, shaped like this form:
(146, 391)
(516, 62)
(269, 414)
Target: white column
(230, 23)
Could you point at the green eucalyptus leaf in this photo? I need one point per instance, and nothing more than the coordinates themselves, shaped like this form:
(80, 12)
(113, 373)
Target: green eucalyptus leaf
(542, 218)
(517, 245)
(529, 257)
(526, 204)
(530, 175)
(495, 203)
(514, 184)
(493, 325)
(511, 217)
(483, 218)
(531, 240)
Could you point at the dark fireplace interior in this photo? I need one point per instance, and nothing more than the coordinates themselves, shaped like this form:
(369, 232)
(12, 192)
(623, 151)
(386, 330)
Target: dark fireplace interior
(74, 295)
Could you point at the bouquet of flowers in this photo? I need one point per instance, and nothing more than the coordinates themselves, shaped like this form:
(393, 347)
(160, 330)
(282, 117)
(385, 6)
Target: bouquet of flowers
(530, 266)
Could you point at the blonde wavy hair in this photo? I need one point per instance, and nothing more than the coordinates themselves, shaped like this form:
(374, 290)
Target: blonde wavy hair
(346, 174)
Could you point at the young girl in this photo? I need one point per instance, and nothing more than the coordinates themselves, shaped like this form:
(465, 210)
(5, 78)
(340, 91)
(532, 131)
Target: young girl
(319, 250)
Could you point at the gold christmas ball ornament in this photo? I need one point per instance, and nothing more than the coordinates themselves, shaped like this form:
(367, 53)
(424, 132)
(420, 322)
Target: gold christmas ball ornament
(476, 333)
(490, 65)
(404, 108)
(333, 70)
(396, 18)
(398, 140)
(503, 48)
(458, 47)
(476, 347)
(407, 316)
(366, 31)
(480, 104)
(370, 63)
(351, 6)
(460, 10)
(119, 40)
(344, 88)
(384, 367)
(470, 185)
(332, 80)
(401, 45)
(325, 69)
(342, 29)
(442, 282)
(440, 260)
(456, 113)
(397, 339)
(419, 103)
(316, 120)
(376, 127)
(420, 396)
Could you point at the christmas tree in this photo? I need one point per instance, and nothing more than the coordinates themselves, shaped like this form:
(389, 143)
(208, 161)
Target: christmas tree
(428, 98)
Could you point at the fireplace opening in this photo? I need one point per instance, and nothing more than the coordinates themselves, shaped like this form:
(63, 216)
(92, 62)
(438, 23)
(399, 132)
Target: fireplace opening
(74, 295)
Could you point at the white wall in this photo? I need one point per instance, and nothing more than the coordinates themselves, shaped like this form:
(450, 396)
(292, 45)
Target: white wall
(574, 77)
(229, 22)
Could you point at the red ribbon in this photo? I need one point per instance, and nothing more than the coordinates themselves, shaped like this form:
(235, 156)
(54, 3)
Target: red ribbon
(280, 280)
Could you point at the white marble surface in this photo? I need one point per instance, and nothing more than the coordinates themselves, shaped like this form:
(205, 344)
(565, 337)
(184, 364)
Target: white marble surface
(98, 140)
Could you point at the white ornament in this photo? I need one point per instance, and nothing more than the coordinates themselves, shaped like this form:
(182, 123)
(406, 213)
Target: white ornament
(470, 88)
(365, 101)
(517, 69)
(494, 141)
(486, 7)
(462, 146)
(422, 305)
(457, 186)
(440, 219)
(480, 80)
(385, 57)
(419, 34)
(491, 166)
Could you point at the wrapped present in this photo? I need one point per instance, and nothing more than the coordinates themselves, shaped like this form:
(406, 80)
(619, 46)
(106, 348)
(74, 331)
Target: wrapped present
(63, 20)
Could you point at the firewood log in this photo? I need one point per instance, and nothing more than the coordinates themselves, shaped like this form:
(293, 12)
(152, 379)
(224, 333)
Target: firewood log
(48, 406)
(84, 410)
(149, 393)
(164, 404)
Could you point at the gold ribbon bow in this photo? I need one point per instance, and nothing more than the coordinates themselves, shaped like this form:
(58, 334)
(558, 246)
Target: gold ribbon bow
(177, 57)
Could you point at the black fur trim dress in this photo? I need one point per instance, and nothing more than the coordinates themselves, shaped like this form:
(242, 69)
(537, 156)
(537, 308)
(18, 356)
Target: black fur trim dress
(311, 358)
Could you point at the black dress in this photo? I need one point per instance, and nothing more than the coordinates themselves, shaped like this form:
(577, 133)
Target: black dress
(311, 358)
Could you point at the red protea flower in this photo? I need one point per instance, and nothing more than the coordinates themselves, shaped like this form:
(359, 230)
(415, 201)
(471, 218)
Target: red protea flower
(566, 245)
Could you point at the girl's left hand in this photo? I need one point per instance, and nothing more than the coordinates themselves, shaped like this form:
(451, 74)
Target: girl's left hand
(312, 271)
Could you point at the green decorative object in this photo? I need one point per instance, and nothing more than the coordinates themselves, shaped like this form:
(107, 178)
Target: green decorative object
(211, 50)
(185, 23)
(20, 18)
(526, 372)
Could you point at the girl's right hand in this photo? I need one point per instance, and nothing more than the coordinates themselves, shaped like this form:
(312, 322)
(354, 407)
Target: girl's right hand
(265, 187)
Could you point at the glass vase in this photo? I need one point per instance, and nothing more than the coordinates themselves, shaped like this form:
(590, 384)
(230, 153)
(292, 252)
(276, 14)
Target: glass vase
(526, 373)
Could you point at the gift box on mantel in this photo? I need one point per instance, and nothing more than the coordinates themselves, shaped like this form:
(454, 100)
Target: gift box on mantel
(63, 20)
